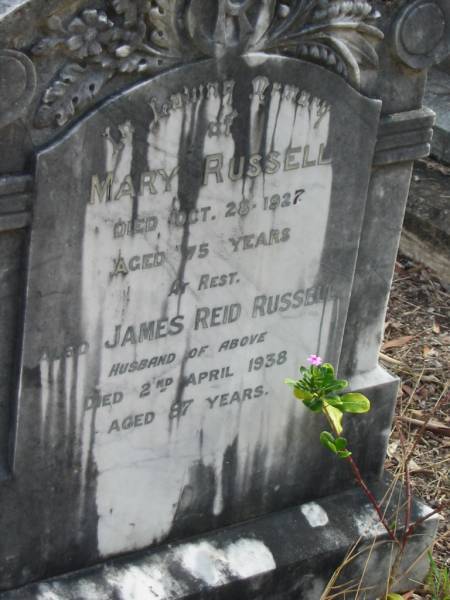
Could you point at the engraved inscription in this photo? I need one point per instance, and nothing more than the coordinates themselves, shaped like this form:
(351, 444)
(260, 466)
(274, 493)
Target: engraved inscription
(199, 223)
(214, 323)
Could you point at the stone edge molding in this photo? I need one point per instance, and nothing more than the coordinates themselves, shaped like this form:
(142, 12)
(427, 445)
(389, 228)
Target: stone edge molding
(20, 74)
(15, 202)
(142, 38)
(404, 136)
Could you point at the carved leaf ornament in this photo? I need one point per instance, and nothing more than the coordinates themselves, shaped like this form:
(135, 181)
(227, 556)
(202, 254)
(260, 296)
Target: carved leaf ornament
(149, 36)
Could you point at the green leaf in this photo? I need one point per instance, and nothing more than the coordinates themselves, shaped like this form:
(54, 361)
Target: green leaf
(301, 394)
(335, 401)
(335, 416)
(392, 596)
(297, 391)
(327, 368)
(341, 447)
(340, 443)
(355, 403)
(340, 384)
(327, 440)
(326, 435)
(316, 404)
(344, 453)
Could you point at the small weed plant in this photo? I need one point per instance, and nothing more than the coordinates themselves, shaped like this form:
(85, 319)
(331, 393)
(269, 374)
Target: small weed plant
(322, 393)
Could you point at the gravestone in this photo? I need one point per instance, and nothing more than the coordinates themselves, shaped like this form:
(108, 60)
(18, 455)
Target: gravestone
(194, 198)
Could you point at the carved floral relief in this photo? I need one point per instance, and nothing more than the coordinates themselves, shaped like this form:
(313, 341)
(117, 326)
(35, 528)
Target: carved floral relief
(149, 36)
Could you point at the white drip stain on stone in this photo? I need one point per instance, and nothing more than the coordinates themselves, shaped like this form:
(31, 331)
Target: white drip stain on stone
(144, 582)
(204, 561)
(44, 368)
(135, 459)
(214, 566)
(314, 514)
(47, 594)
(368, 523)
(83, 589)
(249, 557)
(134, 583)
(52, 393)
(217, 566)
(81, 431)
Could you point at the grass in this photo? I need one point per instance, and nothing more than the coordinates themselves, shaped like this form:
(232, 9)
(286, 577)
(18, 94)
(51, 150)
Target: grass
(438, 581)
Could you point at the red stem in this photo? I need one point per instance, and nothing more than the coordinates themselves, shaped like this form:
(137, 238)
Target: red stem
(371, 497)
(408, 509)
(362, 484)
(425, 518)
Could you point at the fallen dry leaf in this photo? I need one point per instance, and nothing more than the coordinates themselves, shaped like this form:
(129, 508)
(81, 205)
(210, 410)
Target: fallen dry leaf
(392, 448)
(430, 379)
(436, 327)
(417, 413)
(407, 389)
(397, 342)
(414, 467)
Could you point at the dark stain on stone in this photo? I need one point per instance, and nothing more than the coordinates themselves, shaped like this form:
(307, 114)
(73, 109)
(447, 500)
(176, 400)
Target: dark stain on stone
(190, 160)
(178, 399)
(200, 491)
(139, 163)
(230, 494)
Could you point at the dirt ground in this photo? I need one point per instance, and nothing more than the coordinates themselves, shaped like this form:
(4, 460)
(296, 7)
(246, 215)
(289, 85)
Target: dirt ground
(417, 348)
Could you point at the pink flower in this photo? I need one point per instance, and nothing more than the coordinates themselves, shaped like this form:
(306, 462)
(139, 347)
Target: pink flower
(315, 360)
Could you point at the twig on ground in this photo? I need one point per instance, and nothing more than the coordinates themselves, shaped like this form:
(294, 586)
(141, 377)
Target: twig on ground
(438, 428)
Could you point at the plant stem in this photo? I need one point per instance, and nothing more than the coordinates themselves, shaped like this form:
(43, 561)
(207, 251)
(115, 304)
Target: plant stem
(406, 459)
(436, 511)
(362, 484)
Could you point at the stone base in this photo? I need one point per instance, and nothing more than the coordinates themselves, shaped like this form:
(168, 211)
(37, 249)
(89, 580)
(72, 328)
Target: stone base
(290, 554)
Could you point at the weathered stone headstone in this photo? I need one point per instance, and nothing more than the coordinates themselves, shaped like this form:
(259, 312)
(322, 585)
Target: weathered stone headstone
(203, 210)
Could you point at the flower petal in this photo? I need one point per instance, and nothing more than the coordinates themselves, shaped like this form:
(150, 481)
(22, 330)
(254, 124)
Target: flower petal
(315, 360)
